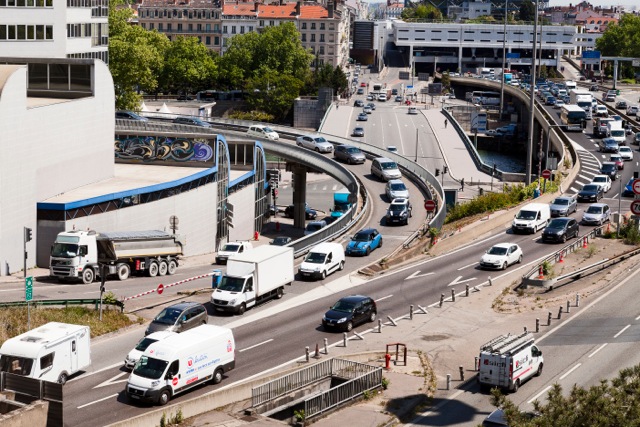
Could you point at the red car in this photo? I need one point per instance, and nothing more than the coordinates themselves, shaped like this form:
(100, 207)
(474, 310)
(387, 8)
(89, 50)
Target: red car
(363, 84)
(617, 159)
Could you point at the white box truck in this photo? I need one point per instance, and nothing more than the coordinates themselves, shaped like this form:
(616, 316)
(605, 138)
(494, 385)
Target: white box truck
(178, 363)
(616, 132)
(253, 277)
(77, 254)
(582, 98)
(51, 352)
(531, 218)
(508, 361)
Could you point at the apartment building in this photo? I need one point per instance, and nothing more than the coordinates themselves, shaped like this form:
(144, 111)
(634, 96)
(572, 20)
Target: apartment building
(54, 29)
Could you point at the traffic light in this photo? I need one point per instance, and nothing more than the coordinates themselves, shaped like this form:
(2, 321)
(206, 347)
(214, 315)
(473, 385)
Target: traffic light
(445, 169)
(437, 172)
(27, 234)
(273, 192)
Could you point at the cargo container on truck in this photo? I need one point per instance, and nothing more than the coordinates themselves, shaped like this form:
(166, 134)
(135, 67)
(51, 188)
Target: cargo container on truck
(582, 98)
(253, 277)
(80, 254)
(341, 203)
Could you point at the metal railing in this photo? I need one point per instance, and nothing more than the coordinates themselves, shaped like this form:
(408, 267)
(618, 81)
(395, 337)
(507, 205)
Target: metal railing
(62, 302)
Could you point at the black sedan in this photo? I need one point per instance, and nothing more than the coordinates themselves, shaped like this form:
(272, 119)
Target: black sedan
(560, 230)
(358, 103)
(349, 312)
(611, 169)
(590, 193)
(308, 212)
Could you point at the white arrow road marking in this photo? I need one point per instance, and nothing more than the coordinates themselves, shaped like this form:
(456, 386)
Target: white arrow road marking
(417, 274)
(113, 380)
(457, 280)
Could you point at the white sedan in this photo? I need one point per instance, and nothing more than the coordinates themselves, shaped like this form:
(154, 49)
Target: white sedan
(603, 181)
(625, 152)
(316, 143)
(501, 255)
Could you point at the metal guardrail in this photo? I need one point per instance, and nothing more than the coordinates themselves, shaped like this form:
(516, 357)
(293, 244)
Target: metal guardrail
(63, 302)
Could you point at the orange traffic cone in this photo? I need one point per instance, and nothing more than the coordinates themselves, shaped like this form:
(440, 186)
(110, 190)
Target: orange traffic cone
(584, 243)
(561, 257)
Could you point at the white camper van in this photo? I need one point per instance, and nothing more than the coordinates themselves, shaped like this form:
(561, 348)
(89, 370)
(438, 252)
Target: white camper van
(508, 361)
(181, 362)
(531, 218)
(51, 352)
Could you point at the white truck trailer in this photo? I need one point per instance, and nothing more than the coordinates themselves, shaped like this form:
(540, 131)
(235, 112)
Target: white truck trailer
(80, 254)
(253, 277)
(508, 361)
(51, 352)
(582, 98)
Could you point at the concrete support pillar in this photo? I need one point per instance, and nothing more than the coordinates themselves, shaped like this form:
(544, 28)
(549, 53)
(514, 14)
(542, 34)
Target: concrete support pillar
(299, 177)
(460, 59)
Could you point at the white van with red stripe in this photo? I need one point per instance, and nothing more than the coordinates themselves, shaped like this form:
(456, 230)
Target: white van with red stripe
(508, 361)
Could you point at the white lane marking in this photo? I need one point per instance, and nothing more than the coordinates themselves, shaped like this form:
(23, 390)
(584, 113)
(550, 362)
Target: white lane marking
(597, 350)
(544, 390)
(115, 365)
(11, 290)
(97, 401)
(255, 345)
(570, 370)
(112, 380)
(620, 333)
(417, 274)
(638, 318)
(457, 281)
(384, 298)
(467, 266)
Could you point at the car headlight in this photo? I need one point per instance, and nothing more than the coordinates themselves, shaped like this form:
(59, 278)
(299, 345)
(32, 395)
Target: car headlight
(233, 301)
(155, 383)
(342, 320)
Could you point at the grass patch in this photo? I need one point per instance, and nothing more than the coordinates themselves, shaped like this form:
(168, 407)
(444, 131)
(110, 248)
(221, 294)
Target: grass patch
(13, 320)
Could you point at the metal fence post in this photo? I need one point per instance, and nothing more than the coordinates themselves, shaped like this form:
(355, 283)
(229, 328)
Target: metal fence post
(448, 381)
(326, 346)
(306, 352)
(461, 369)
(537, 325)
(441, 299)
(344, 338)
(411, 312)
(453, 295)
(549, 319)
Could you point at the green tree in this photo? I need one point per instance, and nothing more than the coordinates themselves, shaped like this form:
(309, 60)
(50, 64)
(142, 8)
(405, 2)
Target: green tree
(273, 92)
(527, 11)
(608, 404)
(188, 66)
(622, 39)
(421, 11)
(339, 81)
(135, 57)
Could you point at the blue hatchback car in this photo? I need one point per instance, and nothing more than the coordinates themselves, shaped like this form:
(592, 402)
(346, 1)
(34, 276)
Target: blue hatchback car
(364, 242)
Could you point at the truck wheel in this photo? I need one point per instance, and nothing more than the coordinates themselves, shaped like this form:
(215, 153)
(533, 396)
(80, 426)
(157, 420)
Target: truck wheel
(539, 371)
(124, 271)
(279, 293)
(323, 275)
(516, 386)
(217, 376)
(164, 398)
(242, 309)
(153, 269)
(162, 268)
(88, 276)
(62, 379)
(172, 267)
(341, 266)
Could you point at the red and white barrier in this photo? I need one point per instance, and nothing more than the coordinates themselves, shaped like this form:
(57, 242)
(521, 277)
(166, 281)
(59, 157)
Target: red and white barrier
(190, 279)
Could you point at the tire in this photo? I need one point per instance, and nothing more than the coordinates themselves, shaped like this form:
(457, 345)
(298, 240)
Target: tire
(539, 371)
(349, 326)
(172, 267)
(349, 161)
(164, 398)
(317, 150)
(242, 309)
(279, 293)
(520, 259)
(380, 245)
(373, 316)
(123, 271)
(153, 269)
(323, 275)
(217, 376)
(368, 251)
(163, 268)
(516, 386)
(62, 379)
(505, 265)
(564, 238)
(341, 267)
(88, 276)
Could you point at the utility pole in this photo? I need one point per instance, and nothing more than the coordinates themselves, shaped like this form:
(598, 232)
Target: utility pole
(532, 98)
(504, 56)
(416, 160)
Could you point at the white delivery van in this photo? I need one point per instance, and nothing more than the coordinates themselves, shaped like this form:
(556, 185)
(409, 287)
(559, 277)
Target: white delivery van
(616, 132)
(262, 131)
(181, 362)
(531, 218)
(134, 355)
(508, 361)
(51, 352)
(322, 260)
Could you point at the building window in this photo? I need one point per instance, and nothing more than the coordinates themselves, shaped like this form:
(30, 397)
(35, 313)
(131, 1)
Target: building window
(262, 23)
(313, 38)
(304, 25)
(224, 29)
(208, 40)
(242, 29)
(216, 41)
(233, 29)
(321, 38)
(304, 37)
(179, 27)
(160, 26)
(321, 49)
(322, 25)
(313, 25)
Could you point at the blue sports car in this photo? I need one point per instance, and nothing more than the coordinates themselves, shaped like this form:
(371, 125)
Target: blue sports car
(364, 242)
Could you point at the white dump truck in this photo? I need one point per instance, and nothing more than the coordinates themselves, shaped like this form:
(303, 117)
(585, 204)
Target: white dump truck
(253, 277)
(51, 352)
(80, 254)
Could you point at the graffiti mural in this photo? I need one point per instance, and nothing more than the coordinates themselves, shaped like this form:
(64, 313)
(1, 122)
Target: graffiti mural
(154, 149)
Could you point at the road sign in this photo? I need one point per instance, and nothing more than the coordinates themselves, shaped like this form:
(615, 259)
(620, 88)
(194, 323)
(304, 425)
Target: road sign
(429, 205)
(275, 191)
(636, 186)
(546, 174)
(635, 207)
(513, 55)
(160, 289)
(635, 63)
(28, 288)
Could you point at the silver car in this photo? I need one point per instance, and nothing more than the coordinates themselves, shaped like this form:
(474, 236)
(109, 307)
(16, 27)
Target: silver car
(316, 143)
(596, 213)
(563, 206)
(395, 188)
(350, 154)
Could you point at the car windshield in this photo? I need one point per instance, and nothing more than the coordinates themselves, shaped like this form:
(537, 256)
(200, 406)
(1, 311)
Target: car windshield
(168, 316)
(589, 188)
(398, 187)
(600, 179)
(396, 208)
(562, 202)
(15, 364)
(148, 367)
(608, 167)
(144, 343)
(267, 129)
(497, 250)
(344, 306)
(594, 209)
(231, 248)
(557, 223)
(354, 150)
(231, 284)
(526, 215)
(280, 240)
(361, 237)
(389, 165)
(314, 227)
(64, 250)
(319, 139)
(315, 258)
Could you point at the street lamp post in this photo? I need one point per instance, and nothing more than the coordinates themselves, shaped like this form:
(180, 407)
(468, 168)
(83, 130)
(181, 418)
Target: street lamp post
(546, 153)
(532, 97)
(504, 57)
(619, 178)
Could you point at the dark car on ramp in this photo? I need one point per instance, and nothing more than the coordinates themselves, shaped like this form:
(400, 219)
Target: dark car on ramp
(560, 230)
(590, 193)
